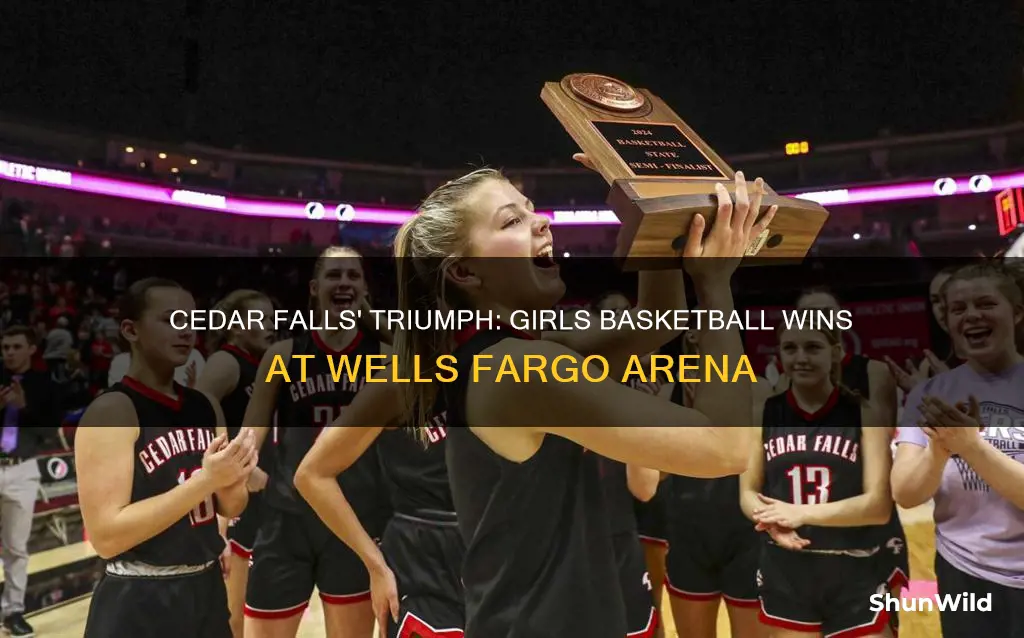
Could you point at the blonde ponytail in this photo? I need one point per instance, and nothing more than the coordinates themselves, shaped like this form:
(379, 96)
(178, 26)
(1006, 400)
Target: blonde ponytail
(425, 247)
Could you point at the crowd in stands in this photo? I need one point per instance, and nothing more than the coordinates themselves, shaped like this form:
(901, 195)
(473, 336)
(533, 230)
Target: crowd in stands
(72, 309)
(75, 326)
(71, 306)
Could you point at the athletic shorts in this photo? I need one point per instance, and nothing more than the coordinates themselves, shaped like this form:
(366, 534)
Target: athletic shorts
(895, 561)
(641, 615)
(1005, 618)
(426, 557)
(195, 605)
(807, 592)
(242, 530)
(295, 552)
(708, 561)
(652, 518)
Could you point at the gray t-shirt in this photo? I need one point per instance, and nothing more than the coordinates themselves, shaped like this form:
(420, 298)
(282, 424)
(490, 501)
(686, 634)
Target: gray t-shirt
(977, 530)
(58, 342)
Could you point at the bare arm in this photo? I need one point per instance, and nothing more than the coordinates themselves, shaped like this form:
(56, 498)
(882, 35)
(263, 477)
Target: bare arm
(724, 402)
(642, 482)
(752, 480)
(337, 448)
(105, 457)
(673, 439)
(223, 522)
(658, 290)
(317, 480)
(231, 500)
(259, 413)
(219, 376)
(919, 464)
(665, 391)
(917, 473)
(874, 505)
(1002, 473)
(882, 386)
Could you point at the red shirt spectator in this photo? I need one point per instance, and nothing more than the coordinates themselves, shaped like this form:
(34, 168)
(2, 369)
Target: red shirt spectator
(61, 308)
(102, 352)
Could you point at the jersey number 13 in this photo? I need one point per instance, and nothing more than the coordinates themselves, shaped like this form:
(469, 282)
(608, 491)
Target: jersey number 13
(815, 477)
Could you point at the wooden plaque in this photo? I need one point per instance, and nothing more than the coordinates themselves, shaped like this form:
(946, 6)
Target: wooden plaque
(661, 173)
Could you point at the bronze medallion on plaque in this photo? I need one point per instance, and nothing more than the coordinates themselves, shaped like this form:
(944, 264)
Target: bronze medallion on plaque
(605, 92)
(662, 173)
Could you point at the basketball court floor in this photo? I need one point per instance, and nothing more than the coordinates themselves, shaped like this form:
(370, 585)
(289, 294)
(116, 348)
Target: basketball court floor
(68, 620)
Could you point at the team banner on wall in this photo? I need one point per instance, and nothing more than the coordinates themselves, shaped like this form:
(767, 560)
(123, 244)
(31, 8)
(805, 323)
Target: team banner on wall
(898, 328)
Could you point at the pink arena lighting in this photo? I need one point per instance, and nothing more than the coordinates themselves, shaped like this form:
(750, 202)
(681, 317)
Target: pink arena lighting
(114, 187)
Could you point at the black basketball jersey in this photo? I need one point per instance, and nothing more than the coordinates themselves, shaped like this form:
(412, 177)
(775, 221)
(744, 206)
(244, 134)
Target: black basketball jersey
(173, 436)
(856, 378)
(621, 509)
(696, 501)
(235, 403)
(816, 458)
(414, 470)
(621, 513)
(305, 408)
(539, 559)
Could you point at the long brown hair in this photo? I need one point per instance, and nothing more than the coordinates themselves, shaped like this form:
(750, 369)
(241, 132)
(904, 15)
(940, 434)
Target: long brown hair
(425, 247)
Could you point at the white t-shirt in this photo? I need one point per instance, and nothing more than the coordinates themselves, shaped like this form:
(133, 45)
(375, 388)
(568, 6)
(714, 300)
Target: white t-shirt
(119, 367)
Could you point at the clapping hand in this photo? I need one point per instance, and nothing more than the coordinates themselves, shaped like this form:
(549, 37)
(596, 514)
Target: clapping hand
(13, 395)
(908, 375)
(911, 375)
(228, 463)
(954, 428)
(935, 364)
(257, 481)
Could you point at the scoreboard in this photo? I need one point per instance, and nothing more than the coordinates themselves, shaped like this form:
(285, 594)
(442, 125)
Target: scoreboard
(1009, 210)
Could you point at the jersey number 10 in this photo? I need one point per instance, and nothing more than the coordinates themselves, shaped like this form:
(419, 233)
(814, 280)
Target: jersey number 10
(205, 511)
(817, 477)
